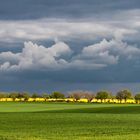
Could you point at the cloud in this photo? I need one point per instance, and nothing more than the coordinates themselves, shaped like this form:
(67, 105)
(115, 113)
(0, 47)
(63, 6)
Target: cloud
(104, 54)
(64, 29)
(35, 57)
(97, 56)
(9, 56)
(109, 49)
(48, 29)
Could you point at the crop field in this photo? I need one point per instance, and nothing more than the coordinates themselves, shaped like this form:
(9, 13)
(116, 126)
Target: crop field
(69, 121)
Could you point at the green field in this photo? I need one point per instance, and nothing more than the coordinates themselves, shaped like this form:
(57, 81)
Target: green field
(69, 121)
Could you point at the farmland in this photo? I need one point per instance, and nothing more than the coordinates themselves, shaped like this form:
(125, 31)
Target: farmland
(64, 121)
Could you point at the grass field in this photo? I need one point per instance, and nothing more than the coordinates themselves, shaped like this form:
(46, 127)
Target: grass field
(69, 121)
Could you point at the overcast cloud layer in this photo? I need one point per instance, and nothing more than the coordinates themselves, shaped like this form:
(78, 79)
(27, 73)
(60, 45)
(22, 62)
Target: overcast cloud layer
(68, 42)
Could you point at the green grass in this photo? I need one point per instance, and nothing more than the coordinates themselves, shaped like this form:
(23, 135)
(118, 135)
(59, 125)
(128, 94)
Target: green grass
(69, 121)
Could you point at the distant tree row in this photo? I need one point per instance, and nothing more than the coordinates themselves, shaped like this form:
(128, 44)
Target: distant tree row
(102, 95)
(26, 95)
(76, 95)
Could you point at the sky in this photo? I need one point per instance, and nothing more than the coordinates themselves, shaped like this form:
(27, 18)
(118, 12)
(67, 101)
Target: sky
(48, 45)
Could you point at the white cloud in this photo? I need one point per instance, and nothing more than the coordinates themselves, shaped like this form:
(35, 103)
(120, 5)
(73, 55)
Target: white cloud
(35, 57)
(5, 66)
(106, 53)
(112, 47)
(96, 56)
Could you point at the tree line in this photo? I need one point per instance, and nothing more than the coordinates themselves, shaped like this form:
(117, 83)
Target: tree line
(76, 95)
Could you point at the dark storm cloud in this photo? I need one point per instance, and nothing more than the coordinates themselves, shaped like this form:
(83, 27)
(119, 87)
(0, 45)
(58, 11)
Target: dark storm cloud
(33, 9)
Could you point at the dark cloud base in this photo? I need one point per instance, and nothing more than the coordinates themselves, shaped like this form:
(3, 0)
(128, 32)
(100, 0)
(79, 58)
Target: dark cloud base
(34, 9)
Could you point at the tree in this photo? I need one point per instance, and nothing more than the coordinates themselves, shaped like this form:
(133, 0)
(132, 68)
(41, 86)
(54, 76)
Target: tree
(119, 96)
(24, 95)
(127, 94)
(76, 94)
(13, 95)
(123, 94)
(89, 95)
(102, 95)
(35, 95)
(3, 95)
(45, 96)
(57, 95)
(137, 98)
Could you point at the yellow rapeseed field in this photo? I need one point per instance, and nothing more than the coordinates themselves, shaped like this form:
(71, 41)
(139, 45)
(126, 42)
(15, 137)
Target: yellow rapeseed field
(68, 100)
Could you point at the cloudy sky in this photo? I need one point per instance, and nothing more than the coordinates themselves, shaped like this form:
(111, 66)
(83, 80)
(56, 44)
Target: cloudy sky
(48, 45)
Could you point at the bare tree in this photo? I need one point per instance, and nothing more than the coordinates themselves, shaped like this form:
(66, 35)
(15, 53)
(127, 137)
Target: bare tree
(76, 94)
(45, 96)
(89, 95)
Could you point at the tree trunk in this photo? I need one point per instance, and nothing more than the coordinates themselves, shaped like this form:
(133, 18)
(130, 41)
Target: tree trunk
(101, 100)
